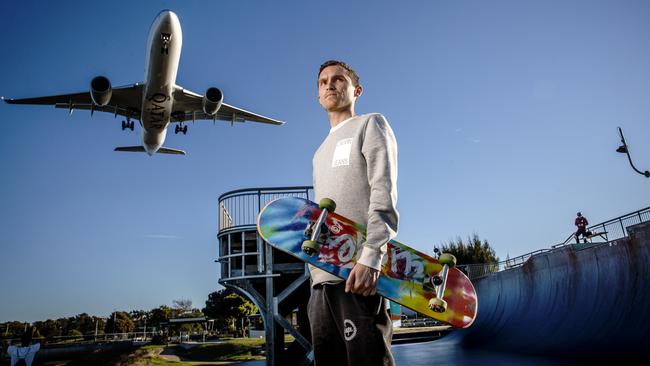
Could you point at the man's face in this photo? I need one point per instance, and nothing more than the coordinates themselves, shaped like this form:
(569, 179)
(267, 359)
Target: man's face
(335, 89)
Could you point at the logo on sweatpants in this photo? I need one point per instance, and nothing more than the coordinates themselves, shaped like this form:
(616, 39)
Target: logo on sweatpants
(349, 329)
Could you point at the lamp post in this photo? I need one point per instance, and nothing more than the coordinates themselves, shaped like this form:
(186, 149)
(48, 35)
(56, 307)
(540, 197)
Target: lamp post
(97, 319)
(624, 150)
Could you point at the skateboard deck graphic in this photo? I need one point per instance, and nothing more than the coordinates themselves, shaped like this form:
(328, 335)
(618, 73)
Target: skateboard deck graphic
(405, 273)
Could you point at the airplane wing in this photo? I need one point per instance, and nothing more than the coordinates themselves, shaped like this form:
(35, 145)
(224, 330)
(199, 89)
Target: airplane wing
(188, 106)
(125, 101)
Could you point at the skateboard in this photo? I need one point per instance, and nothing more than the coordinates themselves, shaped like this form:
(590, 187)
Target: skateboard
(317, 235)
(590, 235)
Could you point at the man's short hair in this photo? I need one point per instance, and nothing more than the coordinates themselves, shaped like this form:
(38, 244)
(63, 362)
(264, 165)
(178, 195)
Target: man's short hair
(351, 73)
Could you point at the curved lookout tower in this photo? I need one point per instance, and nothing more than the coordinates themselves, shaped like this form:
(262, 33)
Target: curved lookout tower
(275, 282)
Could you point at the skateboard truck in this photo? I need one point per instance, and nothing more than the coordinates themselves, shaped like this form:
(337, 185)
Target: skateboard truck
(312, 247)
(437, 304)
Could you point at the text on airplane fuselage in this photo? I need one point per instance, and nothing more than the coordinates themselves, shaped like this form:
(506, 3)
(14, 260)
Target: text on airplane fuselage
(156, 107)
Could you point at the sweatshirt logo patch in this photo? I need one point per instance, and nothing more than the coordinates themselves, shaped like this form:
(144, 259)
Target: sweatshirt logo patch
(342, 153)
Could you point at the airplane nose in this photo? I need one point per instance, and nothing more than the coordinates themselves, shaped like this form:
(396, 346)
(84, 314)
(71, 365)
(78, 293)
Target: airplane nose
(167, 16)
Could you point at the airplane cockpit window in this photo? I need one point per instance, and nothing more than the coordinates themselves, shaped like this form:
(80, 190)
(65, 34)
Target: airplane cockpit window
(165, 38)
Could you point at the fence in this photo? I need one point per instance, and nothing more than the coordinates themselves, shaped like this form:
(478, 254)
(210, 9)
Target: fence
(87, 338)
(617, 228)
(241, 251)
(239, 209)
(479, 270)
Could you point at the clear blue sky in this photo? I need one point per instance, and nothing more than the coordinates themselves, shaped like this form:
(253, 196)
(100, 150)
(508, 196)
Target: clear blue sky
(505, 114)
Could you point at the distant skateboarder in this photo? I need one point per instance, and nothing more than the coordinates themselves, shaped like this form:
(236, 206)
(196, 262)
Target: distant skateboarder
(581, 222)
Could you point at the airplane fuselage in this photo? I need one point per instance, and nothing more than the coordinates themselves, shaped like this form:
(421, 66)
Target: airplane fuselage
(158, 102)
(161, 66)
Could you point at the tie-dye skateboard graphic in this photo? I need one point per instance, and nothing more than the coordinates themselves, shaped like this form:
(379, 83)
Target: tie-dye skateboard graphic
(317, 235)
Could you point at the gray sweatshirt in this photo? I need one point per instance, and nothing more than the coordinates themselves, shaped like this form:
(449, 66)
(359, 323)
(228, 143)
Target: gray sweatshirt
(356, 166)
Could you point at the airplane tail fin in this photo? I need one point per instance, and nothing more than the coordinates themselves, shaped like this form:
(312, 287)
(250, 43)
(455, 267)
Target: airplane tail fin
(162, 150)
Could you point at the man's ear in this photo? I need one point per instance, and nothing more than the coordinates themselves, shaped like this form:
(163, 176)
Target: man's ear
(358, 90)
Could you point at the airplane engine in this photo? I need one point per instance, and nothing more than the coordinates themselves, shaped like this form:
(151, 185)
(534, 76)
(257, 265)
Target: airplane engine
(100, 90)
(212, 101)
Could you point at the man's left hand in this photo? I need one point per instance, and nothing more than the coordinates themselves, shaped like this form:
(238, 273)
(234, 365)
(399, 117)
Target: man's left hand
(362, 280)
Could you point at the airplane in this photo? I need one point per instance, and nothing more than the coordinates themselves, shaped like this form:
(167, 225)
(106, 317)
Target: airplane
(159, 101)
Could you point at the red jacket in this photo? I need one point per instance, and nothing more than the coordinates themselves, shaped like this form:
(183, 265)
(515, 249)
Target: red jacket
(581, 222)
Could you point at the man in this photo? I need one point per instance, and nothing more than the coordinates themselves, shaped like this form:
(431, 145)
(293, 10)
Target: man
(581, 222)
(356, 166)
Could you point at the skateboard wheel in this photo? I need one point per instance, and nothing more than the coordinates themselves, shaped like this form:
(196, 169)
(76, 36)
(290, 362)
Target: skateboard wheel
(438, 305)
(328, 204)
(310, 247)
(437, 281)
(448, 259)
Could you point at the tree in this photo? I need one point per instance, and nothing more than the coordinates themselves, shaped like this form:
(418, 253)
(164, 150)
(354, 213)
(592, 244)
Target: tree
(138, 314)
(227, 307)
(12, 329)
(473, 251)
(49, 328)
(83, 323)
(141, 320)
(184, 305)
(184, 310)
(99, 324)
(160, 314)
(119, 322)
(75, 333)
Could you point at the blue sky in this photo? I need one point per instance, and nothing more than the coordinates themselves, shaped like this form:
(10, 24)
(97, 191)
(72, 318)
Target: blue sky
(505, 114)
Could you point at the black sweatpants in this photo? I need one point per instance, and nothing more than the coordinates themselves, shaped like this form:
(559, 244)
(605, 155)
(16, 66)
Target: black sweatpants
(349, 329)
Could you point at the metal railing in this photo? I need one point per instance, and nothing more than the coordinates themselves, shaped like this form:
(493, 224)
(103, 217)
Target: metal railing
(239, 209)
(88, 338)
(615, 228)
(241, 251)
(483, 269)
(610, 230)
(479, 270)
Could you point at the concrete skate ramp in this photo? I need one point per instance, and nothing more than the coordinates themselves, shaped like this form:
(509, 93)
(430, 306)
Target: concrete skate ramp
(580, 302)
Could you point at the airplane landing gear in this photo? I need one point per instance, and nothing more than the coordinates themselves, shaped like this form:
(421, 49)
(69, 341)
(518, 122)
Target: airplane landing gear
(180, 128)
(127, 124)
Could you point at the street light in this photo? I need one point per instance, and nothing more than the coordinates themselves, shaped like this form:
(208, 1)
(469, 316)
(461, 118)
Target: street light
(97, 319)
(624, 150)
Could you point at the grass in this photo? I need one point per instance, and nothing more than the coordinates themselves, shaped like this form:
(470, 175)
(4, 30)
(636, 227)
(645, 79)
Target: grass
(235, 349)
(231, 349)
(160, 362)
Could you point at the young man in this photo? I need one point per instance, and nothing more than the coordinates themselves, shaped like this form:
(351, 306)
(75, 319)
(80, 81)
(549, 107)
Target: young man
(356, 166)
